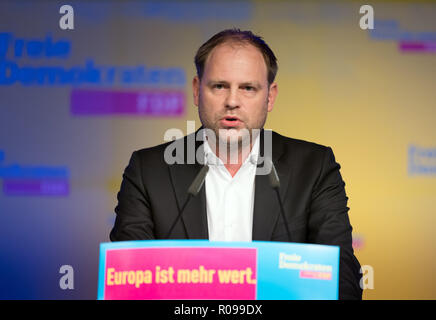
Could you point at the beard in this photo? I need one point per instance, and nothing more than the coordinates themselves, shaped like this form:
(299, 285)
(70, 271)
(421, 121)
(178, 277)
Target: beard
(232, 143)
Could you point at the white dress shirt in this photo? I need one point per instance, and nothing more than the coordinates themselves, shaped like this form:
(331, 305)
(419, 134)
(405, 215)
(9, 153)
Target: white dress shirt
(230, 199)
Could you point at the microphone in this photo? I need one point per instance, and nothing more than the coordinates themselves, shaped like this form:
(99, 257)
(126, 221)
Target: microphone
(275, 184)
(193, 190)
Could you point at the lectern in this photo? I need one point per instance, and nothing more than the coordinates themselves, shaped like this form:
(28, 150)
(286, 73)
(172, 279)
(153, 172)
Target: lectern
(205, 270)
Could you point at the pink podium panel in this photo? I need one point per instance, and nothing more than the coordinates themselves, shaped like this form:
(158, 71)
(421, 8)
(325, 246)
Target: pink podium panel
(180, 273)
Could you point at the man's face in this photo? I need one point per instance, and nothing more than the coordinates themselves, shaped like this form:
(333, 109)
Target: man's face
(234, 92)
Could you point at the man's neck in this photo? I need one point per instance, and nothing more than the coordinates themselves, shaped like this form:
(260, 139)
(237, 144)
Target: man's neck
(232, 162)
(232, 167)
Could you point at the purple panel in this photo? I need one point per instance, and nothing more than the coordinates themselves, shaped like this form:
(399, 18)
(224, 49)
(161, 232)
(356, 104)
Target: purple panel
(35, 187)
(135, 103)
(417, 46)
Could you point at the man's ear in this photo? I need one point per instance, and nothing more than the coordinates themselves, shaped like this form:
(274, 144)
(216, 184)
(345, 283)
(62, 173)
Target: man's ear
(272, 94)
(196, 89)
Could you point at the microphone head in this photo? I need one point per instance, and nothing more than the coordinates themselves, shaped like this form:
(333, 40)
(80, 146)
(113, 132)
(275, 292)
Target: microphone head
(196, 185)
(273, 176)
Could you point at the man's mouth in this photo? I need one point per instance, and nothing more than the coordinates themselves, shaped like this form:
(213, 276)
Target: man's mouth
(230, 121)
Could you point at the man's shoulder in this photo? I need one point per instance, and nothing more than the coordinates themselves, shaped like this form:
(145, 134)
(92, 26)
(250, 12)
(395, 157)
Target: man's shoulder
(293, 145)
(154, 150)
(302, 155)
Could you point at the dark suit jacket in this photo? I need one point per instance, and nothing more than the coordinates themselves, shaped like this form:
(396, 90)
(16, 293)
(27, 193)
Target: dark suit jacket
(312, 190)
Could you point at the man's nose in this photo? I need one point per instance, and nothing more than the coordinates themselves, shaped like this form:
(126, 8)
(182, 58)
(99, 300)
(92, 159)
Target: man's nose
(232, 100)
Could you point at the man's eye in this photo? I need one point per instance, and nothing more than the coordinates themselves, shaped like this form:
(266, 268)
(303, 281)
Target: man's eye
(249, 88)
(218, 86)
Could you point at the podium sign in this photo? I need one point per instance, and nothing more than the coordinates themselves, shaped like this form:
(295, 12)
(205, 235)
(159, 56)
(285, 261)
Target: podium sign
(204, 270)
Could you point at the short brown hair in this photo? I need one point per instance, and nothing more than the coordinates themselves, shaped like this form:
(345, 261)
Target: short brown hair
(236, 35)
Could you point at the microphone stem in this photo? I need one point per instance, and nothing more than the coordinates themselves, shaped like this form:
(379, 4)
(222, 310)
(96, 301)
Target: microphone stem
(282, 211)
(178, 217)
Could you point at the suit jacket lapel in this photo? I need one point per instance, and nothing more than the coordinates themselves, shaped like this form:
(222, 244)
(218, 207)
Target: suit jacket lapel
(266, 207)
(194, 217)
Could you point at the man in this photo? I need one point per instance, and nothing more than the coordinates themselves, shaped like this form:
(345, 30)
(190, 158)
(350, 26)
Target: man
(234, 90)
